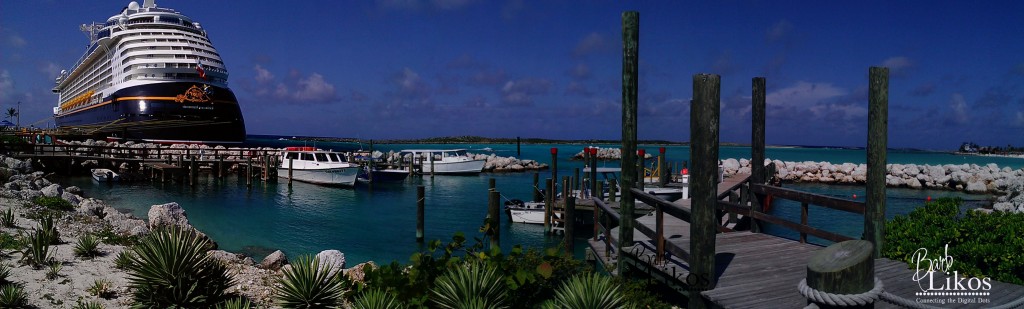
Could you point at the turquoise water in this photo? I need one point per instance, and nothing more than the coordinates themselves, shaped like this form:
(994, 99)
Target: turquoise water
(379, 224)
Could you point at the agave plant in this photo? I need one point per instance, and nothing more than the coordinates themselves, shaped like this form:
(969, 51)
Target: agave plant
(101, 288)
(87, 305)
(36, 251)
(170, 268)
(7, 218)
(5, 271)
(53, 269)
(473, 285)
(49, 229)
(13, 296)
(377, 299)
(235, 303)
(307, 285)
(123, 260)
(87, 246)
(590, 291)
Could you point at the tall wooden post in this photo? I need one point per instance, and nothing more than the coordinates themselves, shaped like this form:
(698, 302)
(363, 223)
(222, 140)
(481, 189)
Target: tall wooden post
(536, 187)
(570, 222)
(878, 119)
(630, 80)
(370, 165)
(220, 167)
(704, 126)
(641, 162)
(554, 165)
(290, 169)
(757, 144)
(549, 198)
(662, 167)
(494, 218)
(491, 184)
(248, 171)
(419, 213)
(575, 180)
(593, 176)
(193, 172)
(519, 149)
(842, 268)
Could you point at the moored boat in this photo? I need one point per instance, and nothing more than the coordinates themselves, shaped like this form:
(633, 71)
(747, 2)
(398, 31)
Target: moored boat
(323, 167)
(104, 175)
(526, 212)
(446, 161)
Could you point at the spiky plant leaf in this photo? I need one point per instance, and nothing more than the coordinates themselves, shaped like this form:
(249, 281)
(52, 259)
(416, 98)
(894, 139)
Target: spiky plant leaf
(377, 299)
(307, 285)
(13, 296)
(588, 291)
(170, 268)
(87, 305)
(235, 303)
(123, 259)
(7, 218)
(36, 251)
(87, 246)
(472, 284)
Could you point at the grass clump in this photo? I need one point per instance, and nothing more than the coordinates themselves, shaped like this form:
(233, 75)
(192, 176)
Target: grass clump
(54, 203)
(472, 285)
(53, 269)
(123, 260)
(36, 250)
(87, 246)
(170, 268)
(87, 305)
(308, 285)
(13, 296)
(7, 218)
(235, 303)
(377, 299)
(101, 288)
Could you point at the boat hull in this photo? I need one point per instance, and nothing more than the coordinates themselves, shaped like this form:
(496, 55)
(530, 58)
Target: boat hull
(468, 167)
(385, 175)
(162, 112)
(345, 176)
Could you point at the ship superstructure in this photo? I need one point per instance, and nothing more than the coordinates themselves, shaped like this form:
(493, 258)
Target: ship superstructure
(149, 73)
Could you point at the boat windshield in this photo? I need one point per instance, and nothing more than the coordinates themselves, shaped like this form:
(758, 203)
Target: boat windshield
(307, 156)
(291, 155)
(334, 157)
(321, 157)
(459, 153)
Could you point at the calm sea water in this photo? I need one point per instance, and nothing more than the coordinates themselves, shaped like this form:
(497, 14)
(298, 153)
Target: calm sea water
(379, 224)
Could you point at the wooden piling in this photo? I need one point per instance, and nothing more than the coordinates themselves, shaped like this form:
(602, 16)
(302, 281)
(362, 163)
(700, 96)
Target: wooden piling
(220, 167)
(757, 144)
(593, 176)
(494, 218)
(431, 165)
(641, 162)
(630, 79)
(575, 180)
(491, 184)
(248, 171)
(549, 198)
(420, 201)
(569, 222)
(519, 149)
(704, 130)
(192, 173)
(878, 119)
(536, 187)
(842, 268)
(290, 169)
(613, 190)
(554, 165)
(662, 167)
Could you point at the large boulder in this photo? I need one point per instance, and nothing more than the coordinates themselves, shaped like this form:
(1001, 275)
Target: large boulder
(124, 223)
(332, 260)
(976, 186)
(74, 199)
(171, 214)
(74, 190)
(90, 206)
(274, 261)
(52, 190)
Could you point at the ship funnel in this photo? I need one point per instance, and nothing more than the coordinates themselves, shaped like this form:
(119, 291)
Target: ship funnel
(149, 4)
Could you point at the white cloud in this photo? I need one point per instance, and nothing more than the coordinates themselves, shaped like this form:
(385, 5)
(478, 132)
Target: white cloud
(6, 86)
(898, 66)
(50, 69)
(314, 89)
(591, 43)
(16, 41)
(779, 31)
(262, 75)
(958, 106)
(413, 5)
(521, 92)
(1020, 119)
(803, 94)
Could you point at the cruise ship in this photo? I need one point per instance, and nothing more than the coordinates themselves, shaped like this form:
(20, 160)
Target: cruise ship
(149, 74)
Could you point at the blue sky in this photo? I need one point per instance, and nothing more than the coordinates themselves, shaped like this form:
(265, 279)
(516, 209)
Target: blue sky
(551, 69)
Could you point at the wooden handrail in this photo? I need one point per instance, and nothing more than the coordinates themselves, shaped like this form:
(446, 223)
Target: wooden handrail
(666, 206)
(811, 198)
(608, 210)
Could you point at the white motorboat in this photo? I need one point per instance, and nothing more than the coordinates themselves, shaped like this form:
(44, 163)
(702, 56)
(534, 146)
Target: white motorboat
(323, 167)
(104, 175)
(446, 161)
(670, 193)
(526, 212)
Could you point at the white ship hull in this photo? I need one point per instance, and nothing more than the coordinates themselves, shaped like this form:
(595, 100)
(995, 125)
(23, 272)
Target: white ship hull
(463, 167)
(345, 176)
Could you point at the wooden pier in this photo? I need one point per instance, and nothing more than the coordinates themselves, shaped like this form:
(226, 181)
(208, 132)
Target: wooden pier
(710, 248)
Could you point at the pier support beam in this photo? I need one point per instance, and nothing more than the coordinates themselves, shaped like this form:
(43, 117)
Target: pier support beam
(554, 165)
(536, 187)
(494, 218)
(878, 121)
(570, 224)
(757, 143)
(630, 80)
(549, 199)
(704, 129)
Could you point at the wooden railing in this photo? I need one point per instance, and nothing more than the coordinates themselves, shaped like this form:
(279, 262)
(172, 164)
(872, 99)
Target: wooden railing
(805, 200)
(144, 153)
(604, 219)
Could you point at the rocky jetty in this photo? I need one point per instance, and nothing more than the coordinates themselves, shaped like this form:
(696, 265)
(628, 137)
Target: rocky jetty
(970, 178)
(495, 163)
(607, 154)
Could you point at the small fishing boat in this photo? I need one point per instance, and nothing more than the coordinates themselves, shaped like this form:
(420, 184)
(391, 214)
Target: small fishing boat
(104, 175)
(317, 166)
(368, 174)
(446, 161)
(525, 212)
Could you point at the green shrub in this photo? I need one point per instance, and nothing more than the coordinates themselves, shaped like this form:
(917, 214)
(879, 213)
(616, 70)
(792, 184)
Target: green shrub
(87, 246)
(473, 285)
(10, 242)
(101, 288)
(981, 245)
(123, 260)
(13, 296)
(235, 303)
(36, 251)
(110, 237)
(87, 305)
(376, 299)
(307, 285)
(170, 268)
(7, 218)
(588, 291)
(54, 203)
